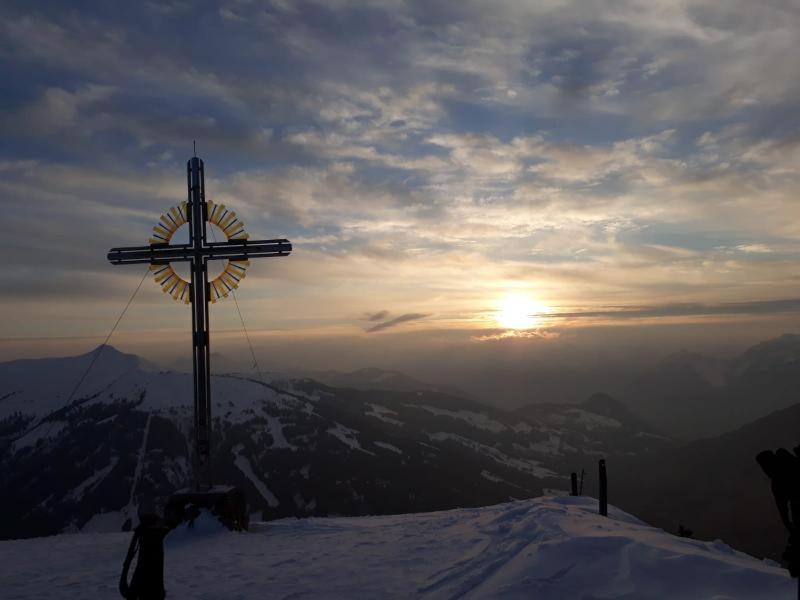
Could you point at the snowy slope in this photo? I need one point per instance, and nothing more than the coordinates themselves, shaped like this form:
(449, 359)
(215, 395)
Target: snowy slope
(547, 548)
(38, 386)
(295, 446)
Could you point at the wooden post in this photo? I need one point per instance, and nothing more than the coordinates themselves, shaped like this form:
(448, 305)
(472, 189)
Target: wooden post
(574, 481)
(603, 489)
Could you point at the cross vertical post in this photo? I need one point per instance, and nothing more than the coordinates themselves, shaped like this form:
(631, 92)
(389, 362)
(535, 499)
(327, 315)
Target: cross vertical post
(200, 326)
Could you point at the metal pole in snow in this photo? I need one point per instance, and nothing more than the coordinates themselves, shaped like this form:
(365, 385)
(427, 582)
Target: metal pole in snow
(603, 488)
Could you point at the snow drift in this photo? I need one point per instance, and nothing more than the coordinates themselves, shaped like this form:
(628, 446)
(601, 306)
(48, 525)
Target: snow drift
(546, 548)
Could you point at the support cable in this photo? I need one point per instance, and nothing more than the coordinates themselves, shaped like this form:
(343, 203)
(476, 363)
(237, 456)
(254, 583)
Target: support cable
(108, 337)
(244, 327)
(247, 337)
(69, 402)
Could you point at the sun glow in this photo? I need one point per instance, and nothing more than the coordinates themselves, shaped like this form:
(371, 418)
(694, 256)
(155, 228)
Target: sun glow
(518, 311)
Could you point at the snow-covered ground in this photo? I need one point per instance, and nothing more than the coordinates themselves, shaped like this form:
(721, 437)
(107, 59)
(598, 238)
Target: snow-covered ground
(546, 548)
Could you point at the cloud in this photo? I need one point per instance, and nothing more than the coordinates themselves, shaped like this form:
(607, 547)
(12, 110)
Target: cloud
(431, 155)
(763, 307)
(378, 316)
(542, 334)
(58, 110)
(397, 321)
(754, 248)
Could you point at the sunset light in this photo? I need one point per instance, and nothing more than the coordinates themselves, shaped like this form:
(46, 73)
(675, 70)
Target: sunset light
(518, 311)
(515, 275)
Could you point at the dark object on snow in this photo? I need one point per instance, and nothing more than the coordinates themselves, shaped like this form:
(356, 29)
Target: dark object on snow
(573, 479)
(147, 582)
(580, 489)
(226, 502)
(603, 488)
(783, 469)
(684, 532)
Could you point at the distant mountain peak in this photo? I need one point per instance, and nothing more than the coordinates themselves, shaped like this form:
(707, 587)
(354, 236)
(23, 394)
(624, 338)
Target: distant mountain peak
(106, 349)
(110, 357)
(786, 343)
(773, 354)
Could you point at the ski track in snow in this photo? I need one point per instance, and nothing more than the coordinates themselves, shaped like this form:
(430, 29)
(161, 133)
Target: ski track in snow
(488, 475)
(531, 466)
(382, 414)
(388, 446)
(243, 464)
(551, 446)
(275, 428)
(549, 548)
(348, 437)
(92, 481)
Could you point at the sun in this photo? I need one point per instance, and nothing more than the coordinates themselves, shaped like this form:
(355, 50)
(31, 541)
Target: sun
(518, 311)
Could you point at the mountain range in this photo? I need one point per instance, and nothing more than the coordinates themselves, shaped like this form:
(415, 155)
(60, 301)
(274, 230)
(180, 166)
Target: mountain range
(297, 447)
(85, 461)
(690, 396)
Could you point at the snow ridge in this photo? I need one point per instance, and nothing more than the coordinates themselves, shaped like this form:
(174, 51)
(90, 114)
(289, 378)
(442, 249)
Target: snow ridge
(548, 548)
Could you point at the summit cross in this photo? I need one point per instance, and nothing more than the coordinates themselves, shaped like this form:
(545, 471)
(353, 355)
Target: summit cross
(237, 250)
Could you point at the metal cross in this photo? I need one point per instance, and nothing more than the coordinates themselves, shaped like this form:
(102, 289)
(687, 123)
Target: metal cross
(198, 252)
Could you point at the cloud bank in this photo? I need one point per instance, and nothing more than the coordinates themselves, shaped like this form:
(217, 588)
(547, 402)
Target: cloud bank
(424, 157)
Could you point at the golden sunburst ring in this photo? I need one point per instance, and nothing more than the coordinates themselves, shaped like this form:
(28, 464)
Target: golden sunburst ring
(170, 223)
(172, 283)
(226, 220)
(234, 271)
(228, 280)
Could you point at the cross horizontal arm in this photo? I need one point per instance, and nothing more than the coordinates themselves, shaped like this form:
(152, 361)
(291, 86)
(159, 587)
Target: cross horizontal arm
(244, 249)
(155, 254)
(235, 250)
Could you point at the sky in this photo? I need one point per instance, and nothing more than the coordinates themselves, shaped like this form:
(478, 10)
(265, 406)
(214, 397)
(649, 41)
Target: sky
(458, 179)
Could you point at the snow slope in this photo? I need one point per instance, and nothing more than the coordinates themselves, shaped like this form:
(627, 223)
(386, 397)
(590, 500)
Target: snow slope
(370, 452)
(546, 548)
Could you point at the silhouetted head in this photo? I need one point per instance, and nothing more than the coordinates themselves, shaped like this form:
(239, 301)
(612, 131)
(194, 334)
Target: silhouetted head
(784, 458)
(768, 463)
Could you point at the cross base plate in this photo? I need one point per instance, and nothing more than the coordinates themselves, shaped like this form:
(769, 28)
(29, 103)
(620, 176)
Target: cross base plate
(226, 502)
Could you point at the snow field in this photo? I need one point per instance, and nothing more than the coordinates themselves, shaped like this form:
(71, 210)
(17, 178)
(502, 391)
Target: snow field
(546, 548)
